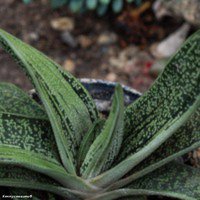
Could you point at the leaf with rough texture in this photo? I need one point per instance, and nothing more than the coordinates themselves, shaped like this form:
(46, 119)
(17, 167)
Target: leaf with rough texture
(26, 137)
(157, 115)
(20, 178)
(14, 100)
(106, 146)
(88, 139)
(24, 123)
(171, 94)
(69, 106)
(183, 141)
(174, 180)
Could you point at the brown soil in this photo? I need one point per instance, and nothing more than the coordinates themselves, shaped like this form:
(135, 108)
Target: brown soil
(31, 23)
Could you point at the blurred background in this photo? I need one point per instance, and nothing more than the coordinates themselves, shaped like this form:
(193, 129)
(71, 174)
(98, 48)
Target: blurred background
(117, 40)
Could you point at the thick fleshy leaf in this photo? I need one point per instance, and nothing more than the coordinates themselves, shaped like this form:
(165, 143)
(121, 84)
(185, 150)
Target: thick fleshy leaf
(157, 115)
(14, 100)
(171, 94)
(19, 178)
(174, 180)
(69, 107)
(26, 138)
(184, 140)
(24, 123)
(88, 139)
(106, 146)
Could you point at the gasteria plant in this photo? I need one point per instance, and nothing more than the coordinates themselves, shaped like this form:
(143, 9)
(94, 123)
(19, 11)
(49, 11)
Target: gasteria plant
(63, 147)
(100, 5)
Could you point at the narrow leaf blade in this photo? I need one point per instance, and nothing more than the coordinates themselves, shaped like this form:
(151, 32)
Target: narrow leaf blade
(106, 146)
(69, 107)
(184, 140)
(157, 115)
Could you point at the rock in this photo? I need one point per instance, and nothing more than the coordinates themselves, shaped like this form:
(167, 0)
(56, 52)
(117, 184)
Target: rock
(189, 10)
(84, 41)
(69, 39)
(111, 77)
(107, 38)
(62, 24)
(69, 65)
(34, 36)
(171, 44)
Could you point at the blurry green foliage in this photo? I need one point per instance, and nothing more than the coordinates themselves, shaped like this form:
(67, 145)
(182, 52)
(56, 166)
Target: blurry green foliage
(101, 6)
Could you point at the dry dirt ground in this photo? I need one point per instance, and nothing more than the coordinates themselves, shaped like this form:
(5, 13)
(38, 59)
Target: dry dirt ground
(102, 48)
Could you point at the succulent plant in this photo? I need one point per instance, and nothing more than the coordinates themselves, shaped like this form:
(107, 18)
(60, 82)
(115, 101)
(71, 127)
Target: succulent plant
(64, 148)
(100, 5)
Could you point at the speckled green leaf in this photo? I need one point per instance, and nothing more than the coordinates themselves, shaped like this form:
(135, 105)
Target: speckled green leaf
(106, 146)
(19, 178)
(171, 94)
(14, 100)
(25, 133)
(173, 180)
(88, 139)
(26, 137)
(184, 140)
(157, 115)
(70, 109)
(24, 123)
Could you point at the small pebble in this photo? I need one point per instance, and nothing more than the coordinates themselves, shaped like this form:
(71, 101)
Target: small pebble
(62, 24)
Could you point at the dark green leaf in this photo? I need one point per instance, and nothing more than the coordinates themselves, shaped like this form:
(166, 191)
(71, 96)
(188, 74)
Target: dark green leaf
(26, 138)
(70, 108)
(184, 140)
(173, 180)
(14, 100)
(88, 139)
(106, 146)
(157, 115)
